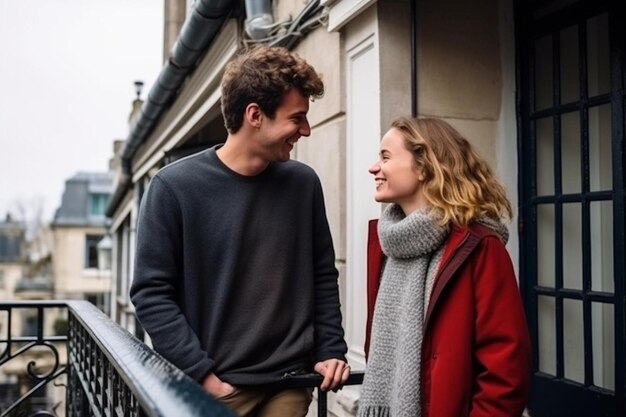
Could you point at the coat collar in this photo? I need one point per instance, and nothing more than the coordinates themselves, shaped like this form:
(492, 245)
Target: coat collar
(459, 246)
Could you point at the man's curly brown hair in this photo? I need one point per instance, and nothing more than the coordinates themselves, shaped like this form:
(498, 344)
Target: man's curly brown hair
(263, 75)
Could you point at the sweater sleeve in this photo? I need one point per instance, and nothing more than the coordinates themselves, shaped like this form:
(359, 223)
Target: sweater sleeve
(328, 332)
(158, 280)
(502, 346)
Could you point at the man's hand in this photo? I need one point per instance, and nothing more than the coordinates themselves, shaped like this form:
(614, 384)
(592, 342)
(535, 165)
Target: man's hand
(216, 387)
(335, 373)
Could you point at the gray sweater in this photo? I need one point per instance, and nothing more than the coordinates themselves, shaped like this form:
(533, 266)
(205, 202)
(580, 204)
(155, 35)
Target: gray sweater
(236, 274)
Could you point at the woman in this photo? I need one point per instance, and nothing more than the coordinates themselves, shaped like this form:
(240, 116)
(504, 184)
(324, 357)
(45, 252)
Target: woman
(448, 332)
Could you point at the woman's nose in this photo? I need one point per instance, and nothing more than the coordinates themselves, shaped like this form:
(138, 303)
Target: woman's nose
(374, 168)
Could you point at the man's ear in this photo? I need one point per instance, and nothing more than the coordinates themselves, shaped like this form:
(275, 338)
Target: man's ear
(253, 115)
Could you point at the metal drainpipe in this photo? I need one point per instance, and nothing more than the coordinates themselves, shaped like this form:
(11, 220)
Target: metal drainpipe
(259, 19)
(413, 12)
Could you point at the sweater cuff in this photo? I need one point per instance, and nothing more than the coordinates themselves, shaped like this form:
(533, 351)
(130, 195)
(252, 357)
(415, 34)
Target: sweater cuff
(200, 370)
(323, 356)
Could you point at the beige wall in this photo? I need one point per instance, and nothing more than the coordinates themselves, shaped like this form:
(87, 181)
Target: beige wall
(459, 69)
(72, 280)
(11, 273)
(394, 30)
(466, 75)
(325, 148)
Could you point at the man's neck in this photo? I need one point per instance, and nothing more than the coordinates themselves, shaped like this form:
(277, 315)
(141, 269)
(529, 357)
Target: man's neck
(238, 155)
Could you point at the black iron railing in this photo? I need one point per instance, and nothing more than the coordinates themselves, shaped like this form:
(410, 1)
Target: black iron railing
(105, 370)
(22, 337)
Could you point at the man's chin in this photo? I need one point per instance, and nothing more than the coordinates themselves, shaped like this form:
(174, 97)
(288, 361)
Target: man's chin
(283, 158)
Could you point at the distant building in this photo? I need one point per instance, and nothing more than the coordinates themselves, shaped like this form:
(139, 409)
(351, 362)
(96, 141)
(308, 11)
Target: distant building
(65, 261)
(12, 265)
(12, 256)
(23, 278)
(18, 279)
(78, 227)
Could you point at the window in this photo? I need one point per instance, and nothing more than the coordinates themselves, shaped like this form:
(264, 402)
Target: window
(92, 298)
(91, 250)
(100, 300)
(30, 326)
(98, 204)
(572, 200)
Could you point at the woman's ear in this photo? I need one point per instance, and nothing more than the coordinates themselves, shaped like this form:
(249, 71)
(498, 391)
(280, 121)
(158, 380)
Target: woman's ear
(253, 115)
(421, 176)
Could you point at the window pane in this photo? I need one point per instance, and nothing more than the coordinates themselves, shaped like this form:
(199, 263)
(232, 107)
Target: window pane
(545, 156)
(598, 69)
(55, 322)
(119, 259)
(547, 334)
(572, 246)
(22, 322)
(570, 153)
(98, 204)
(569, 65)
(543, 73)
(545, 245)
(600, 160)
(30, 322)
(91, 250)
(602, 316)
(573, 340)
(601, 217)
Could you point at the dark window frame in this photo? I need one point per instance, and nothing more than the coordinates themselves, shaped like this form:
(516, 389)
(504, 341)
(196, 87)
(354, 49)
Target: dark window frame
(568, 397)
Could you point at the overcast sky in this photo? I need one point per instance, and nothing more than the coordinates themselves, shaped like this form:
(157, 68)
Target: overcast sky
(67, 69)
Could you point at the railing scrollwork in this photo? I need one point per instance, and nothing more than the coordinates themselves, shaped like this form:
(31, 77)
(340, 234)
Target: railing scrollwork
(32, 349)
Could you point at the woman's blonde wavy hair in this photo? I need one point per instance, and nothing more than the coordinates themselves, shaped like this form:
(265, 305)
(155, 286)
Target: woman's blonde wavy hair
(458, 182)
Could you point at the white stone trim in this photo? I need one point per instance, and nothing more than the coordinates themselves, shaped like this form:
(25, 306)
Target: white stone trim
(123, 212)
(343, 11)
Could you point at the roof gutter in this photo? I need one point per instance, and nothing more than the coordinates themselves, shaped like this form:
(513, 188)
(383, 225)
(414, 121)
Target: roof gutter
(197, 34)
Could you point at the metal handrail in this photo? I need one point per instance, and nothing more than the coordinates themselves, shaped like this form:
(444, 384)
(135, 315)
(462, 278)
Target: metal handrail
(111, 372)
(314, 381)
(160, 388)
(108, 367)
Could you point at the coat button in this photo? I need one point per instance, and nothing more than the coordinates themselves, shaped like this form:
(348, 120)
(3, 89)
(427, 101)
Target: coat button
(435, 356)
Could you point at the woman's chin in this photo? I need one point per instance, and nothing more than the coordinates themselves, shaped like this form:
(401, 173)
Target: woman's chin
(381, 199)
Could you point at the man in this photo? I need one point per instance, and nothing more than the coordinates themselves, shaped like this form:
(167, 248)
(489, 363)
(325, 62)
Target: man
(235, 279)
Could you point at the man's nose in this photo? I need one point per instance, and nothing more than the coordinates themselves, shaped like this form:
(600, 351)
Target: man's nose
(305, 128)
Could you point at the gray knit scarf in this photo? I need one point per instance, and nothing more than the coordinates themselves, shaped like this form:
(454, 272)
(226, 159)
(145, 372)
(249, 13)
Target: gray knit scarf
(392, 380)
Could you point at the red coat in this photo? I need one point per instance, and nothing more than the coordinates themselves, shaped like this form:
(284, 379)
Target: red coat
(476, 352)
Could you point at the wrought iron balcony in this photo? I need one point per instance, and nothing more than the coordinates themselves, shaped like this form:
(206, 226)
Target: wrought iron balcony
(104, 370)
